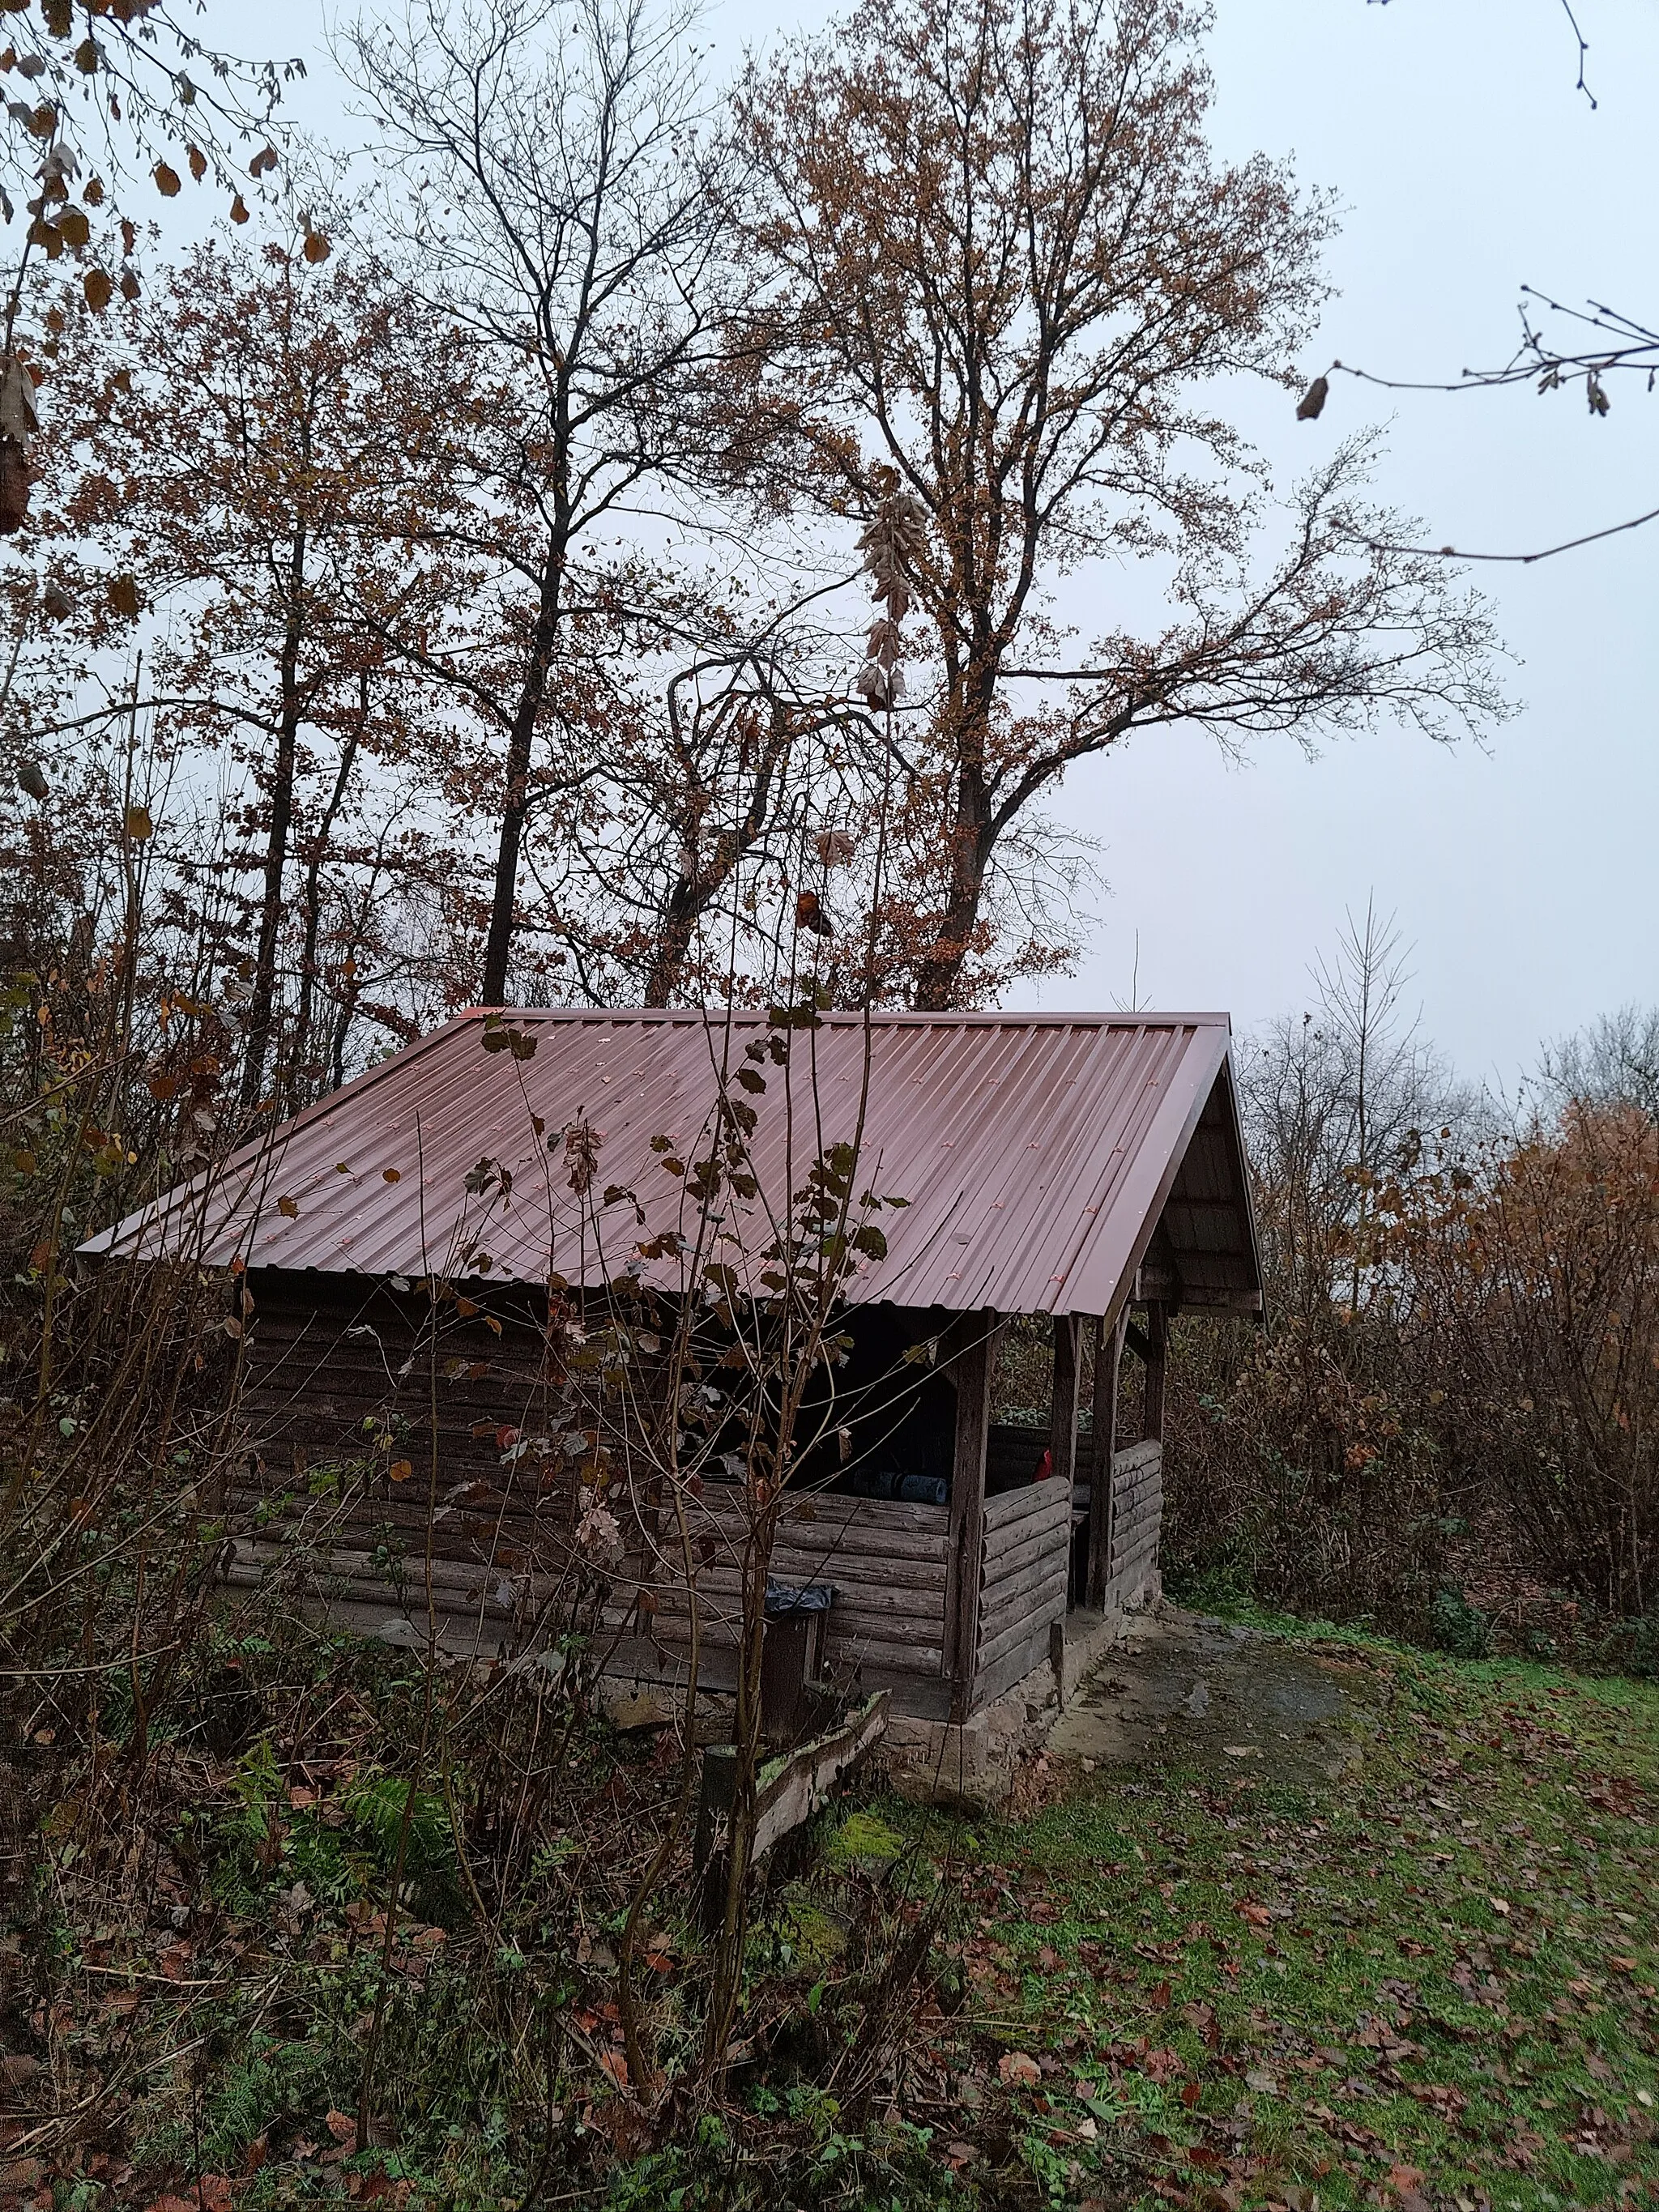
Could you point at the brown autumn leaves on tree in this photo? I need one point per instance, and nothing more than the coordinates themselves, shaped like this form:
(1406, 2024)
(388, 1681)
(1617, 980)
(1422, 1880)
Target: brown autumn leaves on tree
(521, 584)
(237, 467)
(1003, 260)
(104, 89)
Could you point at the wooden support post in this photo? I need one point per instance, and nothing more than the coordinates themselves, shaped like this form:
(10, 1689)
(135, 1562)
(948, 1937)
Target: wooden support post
(976, 1358)
(1062, 1426)
(1158, 1349)
(1062, 1412)
(1108, 1354)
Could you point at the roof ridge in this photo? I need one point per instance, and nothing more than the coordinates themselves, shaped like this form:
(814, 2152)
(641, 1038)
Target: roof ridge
(966, 1016)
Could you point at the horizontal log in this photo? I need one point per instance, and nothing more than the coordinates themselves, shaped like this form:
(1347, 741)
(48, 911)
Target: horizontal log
(991, 1683)
(923, 1640)
(842, 1654)
(1133, 1542)
(1148, 1453)
(872, 1661)
(860, 1546)
(851, 1580)
(1013, 1595)
(1146, 1516)
(1032, 1626)
(383, 1600)
(1015, 1505)
(834, 1510)
(923, 1584)
(342, 1566)
(1130, 1495)
(1143, 1485)
(926, 1696)
(454, 1535)
(1055, 1561)
(1043, 1501)
(916, 1555)
(337, 1562)
(925, 1659)
(852, 1635)
(483, 1548)
(1146, 1521)
(404, 1504)
(1043, 1543)
(369, 1590)
(870, 1599)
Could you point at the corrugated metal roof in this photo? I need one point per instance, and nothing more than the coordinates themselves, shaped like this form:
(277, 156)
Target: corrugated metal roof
(1035, 1153)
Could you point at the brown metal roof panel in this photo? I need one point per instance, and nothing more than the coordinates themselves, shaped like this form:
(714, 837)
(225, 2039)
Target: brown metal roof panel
(1029, 1148)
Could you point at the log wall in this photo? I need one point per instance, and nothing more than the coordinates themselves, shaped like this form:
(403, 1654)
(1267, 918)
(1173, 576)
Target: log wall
(365, 1452)
(1028, 1535)
(357, 1453)
(354, 1454)
(1136, 1523)
(1012, 1454)
(889, 1565)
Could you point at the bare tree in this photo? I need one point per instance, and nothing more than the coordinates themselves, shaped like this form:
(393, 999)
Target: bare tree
(562, 208)
(734, 785)
(1560, 348)
(1613, 1062)
(1004, 262)
(1342, 1105)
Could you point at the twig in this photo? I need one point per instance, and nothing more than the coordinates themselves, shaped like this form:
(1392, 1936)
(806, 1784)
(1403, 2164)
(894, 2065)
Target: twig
(1521, 559)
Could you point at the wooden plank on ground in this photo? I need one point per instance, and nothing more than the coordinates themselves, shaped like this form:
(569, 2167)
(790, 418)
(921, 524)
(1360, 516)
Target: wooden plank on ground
(788, 1790)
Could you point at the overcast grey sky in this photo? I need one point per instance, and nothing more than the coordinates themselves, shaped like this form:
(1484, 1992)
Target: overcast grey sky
(1464, 163)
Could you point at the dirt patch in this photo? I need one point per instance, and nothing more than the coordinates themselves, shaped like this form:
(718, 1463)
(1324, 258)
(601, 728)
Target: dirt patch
(1186, 1690)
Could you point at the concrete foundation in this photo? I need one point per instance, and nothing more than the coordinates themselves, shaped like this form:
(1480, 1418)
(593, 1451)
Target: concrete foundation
(973, 1763)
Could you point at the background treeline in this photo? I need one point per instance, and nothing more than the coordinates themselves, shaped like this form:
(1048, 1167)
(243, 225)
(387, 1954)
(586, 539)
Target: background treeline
(1449, 1422)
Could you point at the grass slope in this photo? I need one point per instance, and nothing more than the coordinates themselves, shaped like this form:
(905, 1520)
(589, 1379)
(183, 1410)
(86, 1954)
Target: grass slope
(1434, 1983)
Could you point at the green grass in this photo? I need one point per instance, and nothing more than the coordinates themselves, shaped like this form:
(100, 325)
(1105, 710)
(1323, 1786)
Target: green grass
(1432, 1986)
(1434, 1980)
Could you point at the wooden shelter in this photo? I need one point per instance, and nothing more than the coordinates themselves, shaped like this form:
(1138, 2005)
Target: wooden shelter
(1084, 1169)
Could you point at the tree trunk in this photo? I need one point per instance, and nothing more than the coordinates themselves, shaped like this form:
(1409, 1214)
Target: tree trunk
(262, 1005)
(695, 890)
(938, 974)
(521, 736)
(683, 910)
(303, 1018)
